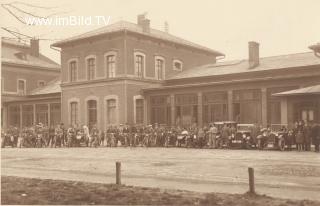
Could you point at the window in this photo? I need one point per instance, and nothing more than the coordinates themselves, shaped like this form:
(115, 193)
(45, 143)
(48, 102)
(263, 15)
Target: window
(160, 109)
(27, 115)
(91, 68)
(186, 109)
(21, 87)
(139, 64)
(215, 107)
(159, 68)
(92, 113)
(55, 113)
(111, 111)
(74, 113)
(41, 83)
(14, 116)
(111, 65)
(177, 65)
(42, 113)
(247, 106)
(139, 111)
(73, 71)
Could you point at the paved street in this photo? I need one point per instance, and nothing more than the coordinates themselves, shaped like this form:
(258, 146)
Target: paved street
(280, 174)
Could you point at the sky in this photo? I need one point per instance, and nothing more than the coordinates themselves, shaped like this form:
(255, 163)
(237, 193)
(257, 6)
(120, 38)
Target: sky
(280, 26)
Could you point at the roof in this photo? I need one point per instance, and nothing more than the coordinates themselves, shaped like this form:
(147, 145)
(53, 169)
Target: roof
(51, 88)
(128, 26)
(242, 66)
(10, 49)
(312, 90)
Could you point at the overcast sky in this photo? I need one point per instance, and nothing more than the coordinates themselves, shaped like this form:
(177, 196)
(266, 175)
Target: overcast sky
(280, 26)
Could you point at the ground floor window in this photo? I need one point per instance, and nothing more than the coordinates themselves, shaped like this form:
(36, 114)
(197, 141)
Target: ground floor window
(55, 113)
(27, 115)
(160, 110)
(247, 106)
(186, 109)
(139, 111)
(42, 113)
(14, 116)
(215, 106)
(74, 113)
(274, 112)
(214, 113)
(92, 113)
(111, 111)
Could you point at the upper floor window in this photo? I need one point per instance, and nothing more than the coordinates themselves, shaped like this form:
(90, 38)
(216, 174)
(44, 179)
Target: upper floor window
(73, 71)
(139, 67)
(111, 64)
(41, 83)
(177, 65)
(91, 68)
(22, 86)
(159, 68)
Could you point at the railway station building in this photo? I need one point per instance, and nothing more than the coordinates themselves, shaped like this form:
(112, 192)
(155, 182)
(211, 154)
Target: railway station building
(128, 73)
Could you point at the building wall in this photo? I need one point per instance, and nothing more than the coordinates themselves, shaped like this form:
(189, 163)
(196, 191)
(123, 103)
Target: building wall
(151, 48)
(96, 48)
(230, 89)
(10, 76)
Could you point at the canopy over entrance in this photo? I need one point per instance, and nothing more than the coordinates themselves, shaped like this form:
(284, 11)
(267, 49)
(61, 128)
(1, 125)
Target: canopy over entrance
(312, 90)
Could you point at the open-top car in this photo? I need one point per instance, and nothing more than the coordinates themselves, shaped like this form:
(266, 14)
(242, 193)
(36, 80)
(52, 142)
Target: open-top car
(276, 138)
(243, 138)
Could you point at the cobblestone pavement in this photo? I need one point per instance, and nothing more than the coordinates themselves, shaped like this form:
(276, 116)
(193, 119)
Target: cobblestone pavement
(280, 174)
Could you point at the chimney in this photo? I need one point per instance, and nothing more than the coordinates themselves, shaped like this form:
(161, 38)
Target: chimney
(253, 54)
(143, 22)
(140, 19)
(166, 27)
(34, 47)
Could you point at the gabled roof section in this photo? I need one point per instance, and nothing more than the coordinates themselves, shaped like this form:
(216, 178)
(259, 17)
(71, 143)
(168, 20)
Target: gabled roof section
(124, 25)
(242, 66)
(52, 87)
(12, 51)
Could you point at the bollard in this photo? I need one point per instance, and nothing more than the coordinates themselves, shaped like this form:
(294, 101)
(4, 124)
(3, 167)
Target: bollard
(118, 173)
(251, 180)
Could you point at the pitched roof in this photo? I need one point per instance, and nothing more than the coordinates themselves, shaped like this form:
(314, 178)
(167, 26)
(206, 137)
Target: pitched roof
(10, 50)
(124, 25)
(51, 88)
(242, 66)
(312, 90)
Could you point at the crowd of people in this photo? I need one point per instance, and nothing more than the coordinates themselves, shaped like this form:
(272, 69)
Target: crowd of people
(302, 136)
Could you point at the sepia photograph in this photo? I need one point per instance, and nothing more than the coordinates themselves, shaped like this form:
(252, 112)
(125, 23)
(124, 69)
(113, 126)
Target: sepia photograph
(162, 102)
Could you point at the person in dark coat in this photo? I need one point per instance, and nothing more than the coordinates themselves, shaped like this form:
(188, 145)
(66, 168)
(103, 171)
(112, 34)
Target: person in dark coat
(315, 135)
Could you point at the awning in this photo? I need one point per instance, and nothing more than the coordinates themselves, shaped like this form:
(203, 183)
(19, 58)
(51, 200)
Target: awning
(312, 90)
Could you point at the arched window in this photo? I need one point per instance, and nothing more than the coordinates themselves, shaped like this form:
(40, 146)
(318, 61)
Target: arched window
(73, 71)
(92, 113)
(91, 68)
(111, 111)
(74, 113)
(139, 111)
(110, 61)
(159, 68)
(139, 64)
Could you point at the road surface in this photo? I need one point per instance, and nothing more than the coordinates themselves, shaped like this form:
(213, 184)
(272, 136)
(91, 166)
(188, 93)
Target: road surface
(279, 174)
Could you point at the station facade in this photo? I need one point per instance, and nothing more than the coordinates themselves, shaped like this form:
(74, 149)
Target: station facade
(129, 73)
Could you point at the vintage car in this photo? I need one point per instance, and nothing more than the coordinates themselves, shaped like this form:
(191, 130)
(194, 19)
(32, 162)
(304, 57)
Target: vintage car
(243, 137)
(276, 138)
